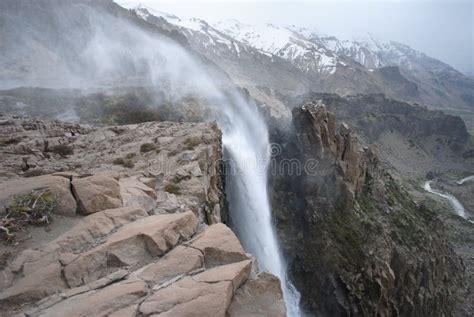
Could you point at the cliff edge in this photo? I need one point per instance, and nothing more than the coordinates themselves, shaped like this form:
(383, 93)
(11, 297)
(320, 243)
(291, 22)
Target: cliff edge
(359, 244)
(121, 221)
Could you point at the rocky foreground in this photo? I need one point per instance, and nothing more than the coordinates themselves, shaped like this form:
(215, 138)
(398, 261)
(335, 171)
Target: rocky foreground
(136, 227)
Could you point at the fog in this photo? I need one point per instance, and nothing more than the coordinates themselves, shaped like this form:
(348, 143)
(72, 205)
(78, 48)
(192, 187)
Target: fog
(442, 29)
(95, 48)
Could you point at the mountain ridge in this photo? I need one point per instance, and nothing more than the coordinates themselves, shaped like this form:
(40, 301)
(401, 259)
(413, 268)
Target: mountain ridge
(341, 66)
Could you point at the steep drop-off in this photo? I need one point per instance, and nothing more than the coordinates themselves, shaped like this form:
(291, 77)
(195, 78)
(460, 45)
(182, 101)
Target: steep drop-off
(135, 228)
(359, 244)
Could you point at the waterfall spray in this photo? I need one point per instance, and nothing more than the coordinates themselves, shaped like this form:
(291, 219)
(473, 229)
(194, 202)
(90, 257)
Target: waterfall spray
(112, 50)
(247, 148)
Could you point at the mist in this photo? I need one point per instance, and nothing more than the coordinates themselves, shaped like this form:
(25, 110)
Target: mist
(112, 51)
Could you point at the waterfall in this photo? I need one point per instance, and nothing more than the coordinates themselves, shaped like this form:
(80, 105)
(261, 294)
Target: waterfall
(247, 148)
(458, 207)
(119, 52)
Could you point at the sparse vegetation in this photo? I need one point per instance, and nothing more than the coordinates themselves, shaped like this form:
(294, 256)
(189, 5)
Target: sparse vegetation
(172, 189)
(129, 156)
(147, 147)
(172, 153)
(62, 149)
(9, 141)
(118, 161)
(125, 162)
(29, 209)
(133, 107)
(191, 143)
(128, 164)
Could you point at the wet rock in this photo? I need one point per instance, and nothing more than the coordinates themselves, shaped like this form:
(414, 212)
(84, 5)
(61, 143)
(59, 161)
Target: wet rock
(219, 245)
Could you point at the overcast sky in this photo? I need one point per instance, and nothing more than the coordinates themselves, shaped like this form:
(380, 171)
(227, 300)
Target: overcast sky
(443, 29)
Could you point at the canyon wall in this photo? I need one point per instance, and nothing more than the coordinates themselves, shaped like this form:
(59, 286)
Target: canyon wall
(359, 245)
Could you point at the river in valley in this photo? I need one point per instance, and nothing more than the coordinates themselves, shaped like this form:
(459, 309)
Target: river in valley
(453, 201)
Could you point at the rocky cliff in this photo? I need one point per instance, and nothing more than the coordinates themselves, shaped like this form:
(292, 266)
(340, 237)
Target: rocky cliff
(358, 243)
(411, 140)
(134, 227)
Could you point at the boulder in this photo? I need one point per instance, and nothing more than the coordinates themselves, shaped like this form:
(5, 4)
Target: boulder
(135, 193)
(96, 193)
(237, 273)
(94, 227)
(46, 280)
(58, 186)
(258, 297)
(219, 245)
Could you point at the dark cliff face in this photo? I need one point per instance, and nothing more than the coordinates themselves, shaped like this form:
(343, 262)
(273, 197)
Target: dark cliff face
(411, 139)
(373, 114)
(357, 242)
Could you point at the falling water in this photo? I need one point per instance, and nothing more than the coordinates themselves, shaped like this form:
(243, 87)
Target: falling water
(117, 50)
(247, 147)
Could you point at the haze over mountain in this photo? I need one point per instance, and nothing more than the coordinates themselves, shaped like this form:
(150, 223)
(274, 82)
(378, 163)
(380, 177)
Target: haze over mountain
(159, 164)
(254, 55)
(442, 29)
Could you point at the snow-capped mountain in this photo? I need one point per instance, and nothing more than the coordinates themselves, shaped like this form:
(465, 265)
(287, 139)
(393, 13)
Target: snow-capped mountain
(284, 42)
(271, 40)
(291, 59)
(373, 52)
(195, 30)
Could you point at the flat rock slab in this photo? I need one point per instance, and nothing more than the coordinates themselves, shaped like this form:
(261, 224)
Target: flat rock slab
(138, 242)
(181, 260)
(99, 303)
(38, 273)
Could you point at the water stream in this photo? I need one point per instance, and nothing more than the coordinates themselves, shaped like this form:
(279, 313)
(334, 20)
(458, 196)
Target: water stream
(454, 202)
(465, 179)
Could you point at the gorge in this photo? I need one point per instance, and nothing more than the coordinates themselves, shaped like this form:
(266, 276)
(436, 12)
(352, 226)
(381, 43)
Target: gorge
(457, 206)
(152, 165)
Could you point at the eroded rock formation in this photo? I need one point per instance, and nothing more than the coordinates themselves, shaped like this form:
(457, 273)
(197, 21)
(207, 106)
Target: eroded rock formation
(359, 245)
(137, 227)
